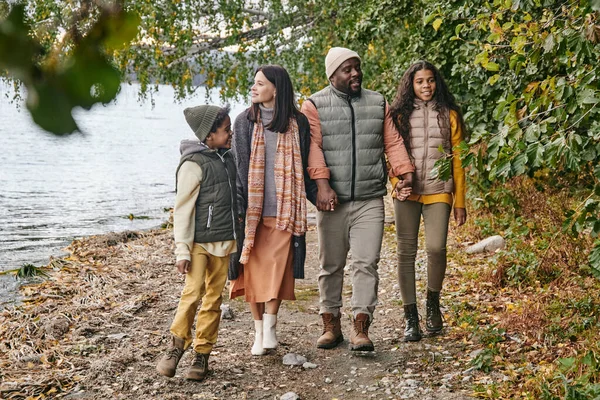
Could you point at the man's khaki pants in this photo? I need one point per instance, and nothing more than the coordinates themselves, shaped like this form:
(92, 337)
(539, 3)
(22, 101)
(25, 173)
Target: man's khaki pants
(205, 282)
(355, 226)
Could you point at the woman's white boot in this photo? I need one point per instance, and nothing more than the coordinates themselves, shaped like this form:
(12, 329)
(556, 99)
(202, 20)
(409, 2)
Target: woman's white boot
(257, 347)
(269, 334)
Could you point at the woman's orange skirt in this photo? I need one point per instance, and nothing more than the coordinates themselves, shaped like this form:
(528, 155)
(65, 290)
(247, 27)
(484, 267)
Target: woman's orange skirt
(268, 274)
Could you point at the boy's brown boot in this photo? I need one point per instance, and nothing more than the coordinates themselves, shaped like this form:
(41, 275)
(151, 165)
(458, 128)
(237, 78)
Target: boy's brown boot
(332, 331)
(199, 368)
(168, 363)
(359, 340)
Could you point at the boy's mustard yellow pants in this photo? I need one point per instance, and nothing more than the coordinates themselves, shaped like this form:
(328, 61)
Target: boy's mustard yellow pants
(204, 282)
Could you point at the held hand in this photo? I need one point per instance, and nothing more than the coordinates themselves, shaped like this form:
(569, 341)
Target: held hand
(402, 190)
(403, 194)
(326, 198)
(183, 266)
(460, 216)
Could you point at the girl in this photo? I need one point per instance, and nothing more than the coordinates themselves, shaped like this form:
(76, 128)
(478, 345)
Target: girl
(270, 144)
(428, 120)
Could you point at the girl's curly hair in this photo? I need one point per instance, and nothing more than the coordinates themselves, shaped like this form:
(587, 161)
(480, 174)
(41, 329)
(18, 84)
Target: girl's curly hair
(403, 104)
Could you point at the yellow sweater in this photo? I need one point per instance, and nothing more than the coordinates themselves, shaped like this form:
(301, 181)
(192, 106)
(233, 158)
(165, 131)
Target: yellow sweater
(458, 174)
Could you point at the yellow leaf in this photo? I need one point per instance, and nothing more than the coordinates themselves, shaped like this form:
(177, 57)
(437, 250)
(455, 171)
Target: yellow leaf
(437, 23)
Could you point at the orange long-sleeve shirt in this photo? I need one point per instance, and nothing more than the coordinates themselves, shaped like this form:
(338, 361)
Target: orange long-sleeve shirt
(458, 173)
(392, 142)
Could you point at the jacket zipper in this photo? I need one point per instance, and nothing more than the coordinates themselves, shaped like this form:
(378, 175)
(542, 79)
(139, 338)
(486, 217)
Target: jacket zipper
(426, 149)
(353, 151)
(230, 191)
(210, 214)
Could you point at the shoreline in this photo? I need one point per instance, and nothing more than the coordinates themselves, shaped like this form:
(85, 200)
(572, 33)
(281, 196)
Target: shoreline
(13, 296)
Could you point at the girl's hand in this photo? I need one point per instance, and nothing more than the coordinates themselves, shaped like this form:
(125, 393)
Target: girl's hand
(402, 190)
(402, 194)
(460, 216)
(183, 266)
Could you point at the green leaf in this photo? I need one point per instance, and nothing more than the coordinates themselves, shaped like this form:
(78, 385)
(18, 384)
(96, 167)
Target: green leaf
(17, 48)
(566, 363)
(532, 133)
(442, 169)
(535, 154)
(493, 79)
(492, 66)
(549, 43)
(519, 164)
(503, 168)
(594, 259)
(590, 100)
(120, 31)
(430, 18)
(51, 109)
(458, 28)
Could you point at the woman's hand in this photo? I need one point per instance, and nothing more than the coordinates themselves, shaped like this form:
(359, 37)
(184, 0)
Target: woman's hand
(183, 266)
(326, 196)
(460, 216)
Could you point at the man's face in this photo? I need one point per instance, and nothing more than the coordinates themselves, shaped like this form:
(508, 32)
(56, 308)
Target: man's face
(348, 77)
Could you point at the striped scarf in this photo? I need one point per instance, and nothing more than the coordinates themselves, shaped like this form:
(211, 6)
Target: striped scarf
(289, 185)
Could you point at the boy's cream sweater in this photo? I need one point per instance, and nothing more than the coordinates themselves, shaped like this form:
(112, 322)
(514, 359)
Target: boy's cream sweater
(189, 179)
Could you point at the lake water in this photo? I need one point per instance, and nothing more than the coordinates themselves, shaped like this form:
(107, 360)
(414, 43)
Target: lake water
(54, 189)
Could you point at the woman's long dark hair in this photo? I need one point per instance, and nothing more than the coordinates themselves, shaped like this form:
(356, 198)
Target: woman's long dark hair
(403, 104)
(285, 105)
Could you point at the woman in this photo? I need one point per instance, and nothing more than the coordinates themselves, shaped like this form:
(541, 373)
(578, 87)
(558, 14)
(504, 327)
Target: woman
(270, 143)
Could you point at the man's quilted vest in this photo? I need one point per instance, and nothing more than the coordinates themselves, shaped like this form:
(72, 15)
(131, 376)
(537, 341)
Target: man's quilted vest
(216, 203)
(353, 142)
(429, 132)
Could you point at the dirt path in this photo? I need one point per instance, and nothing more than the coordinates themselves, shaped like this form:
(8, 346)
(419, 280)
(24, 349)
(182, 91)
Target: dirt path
(96, 329)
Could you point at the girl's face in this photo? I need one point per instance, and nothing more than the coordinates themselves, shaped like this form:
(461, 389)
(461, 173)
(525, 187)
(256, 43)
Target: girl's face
(424, 84)
(263, 91)
(221, 138)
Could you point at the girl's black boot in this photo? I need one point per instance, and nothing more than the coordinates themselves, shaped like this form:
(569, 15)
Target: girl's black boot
(412, 331)
(434, 322)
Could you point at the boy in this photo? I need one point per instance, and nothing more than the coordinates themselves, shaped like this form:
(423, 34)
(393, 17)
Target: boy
(204, 229)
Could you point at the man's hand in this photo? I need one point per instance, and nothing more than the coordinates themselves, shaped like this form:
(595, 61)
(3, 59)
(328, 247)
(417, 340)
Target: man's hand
(326, 196)
(460, 216)
(402, 193)
(403, 187)
(183, 266)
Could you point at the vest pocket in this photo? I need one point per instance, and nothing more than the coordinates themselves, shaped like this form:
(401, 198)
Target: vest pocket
(210, 215)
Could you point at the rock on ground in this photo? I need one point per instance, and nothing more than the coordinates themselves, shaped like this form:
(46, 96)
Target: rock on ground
(490, 244)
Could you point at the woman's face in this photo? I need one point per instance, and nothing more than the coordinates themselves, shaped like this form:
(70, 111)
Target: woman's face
(263, 91)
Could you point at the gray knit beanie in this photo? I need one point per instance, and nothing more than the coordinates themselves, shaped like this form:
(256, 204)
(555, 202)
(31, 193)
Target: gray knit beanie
(201, 119)
(336, 57)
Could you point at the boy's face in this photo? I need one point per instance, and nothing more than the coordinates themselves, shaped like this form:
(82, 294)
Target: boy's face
(221, 139)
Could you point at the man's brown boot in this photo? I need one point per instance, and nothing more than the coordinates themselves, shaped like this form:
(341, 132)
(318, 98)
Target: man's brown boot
(168, 363)
(332, 331)
(199, 368)
(359, 340)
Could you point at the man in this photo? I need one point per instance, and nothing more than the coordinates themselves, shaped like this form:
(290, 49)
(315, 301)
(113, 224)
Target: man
(351, 133)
